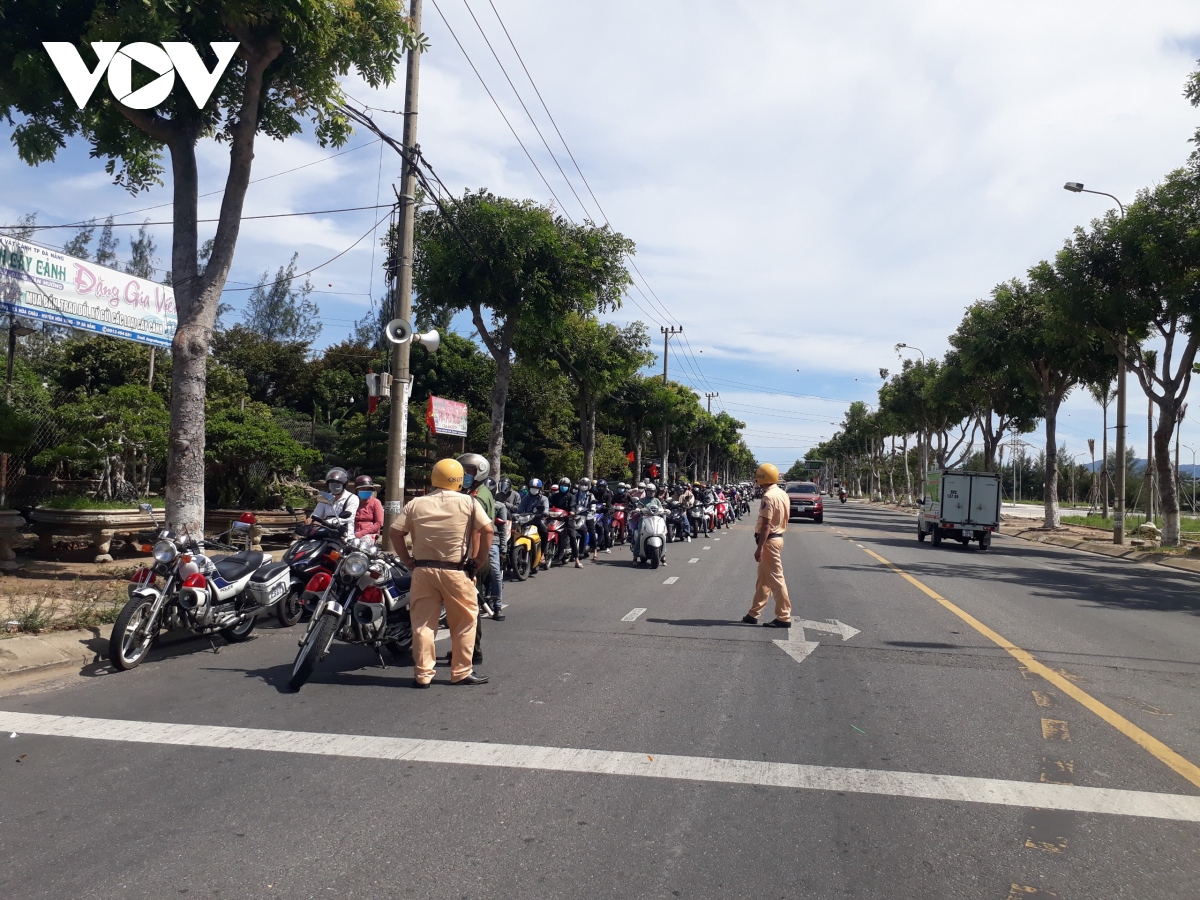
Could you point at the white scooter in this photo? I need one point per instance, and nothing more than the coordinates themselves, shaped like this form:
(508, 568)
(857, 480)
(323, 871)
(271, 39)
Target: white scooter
(651, 538)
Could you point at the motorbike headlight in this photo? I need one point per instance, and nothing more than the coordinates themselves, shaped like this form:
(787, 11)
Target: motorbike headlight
(165, 551)
(355, 565)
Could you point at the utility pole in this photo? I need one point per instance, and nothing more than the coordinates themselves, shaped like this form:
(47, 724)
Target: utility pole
(667, 334)
(402, 296)
(1148, 476)
(707, 447)
(1119, 486)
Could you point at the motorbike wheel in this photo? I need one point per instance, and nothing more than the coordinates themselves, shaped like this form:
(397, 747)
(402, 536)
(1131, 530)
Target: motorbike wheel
(126, 648)
(653, 556)
(310, 654)
(241, 631)
(290, 608)
(521, 563)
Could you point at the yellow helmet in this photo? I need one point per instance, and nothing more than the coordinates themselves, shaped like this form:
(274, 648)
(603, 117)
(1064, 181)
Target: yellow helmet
(447, 474)
(767, 474)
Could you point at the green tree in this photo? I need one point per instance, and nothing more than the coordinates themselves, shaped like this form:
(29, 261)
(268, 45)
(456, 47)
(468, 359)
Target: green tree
(797, 472)
(247, 452)
(278, 312)
(141, 255)
(514, 265)
(289, 63)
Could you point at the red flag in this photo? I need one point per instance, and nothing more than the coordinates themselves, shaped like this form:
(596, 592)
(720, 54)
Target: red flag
(631, 456)
(372, 402)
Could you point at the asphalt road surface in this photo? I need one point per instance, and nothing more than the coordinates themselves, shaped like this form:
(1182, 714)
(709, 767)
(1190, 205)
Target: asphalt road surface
(949, 723)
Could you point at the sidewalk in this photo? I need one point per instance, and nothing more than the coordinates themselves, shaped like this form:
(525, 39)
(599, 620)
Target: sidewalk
(24, 653)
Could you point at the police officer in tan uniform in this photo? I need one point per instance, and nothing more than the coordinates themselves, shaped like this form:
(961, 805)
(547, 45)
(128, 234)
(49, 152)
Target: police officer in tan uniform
(451, 537)
(768, 535)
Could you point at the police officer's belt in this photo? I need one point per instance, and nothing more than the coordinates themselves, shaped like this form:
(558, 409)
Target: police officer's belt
(437, 564)
(769, 537)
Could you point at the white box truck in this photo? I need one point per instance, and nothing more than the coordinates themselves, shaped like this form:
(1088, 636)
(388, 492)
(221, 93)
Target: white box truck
(960, 506)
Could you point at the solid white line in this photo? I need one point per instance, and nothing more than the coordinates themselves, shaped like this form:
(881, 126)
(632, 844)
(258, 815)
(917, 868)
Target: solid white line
(672, 579)
(694, 559)
(1107, 801)
(633, 614)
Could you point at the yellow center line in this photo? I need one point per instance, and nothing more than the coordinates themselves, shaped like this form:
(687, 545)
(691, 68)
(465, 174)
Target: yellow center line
(1148, 742)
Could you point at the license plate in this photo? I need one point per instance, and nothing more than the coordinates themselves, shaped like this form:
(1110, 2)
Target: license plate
(278, 590)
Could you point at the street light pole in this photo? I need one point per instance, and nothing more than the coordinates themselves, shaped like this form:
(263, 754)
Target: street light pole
(1076, 187)
(922, 437)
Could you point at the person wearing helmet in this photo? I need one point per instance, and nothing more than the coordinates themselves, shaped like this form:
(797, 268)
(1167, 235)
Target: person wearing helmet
(768, 535)
(338, 503)
(536, 504)
(604, 497)
(368, 521)
(506, 494)
(584, 500)
(475, 483)
(686, 501)
(451, 537)
(565, 499)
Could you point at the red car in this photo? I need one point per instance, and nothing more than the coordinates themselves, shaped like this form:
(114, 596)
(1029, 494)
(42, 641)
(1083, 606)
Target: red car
(805, 501)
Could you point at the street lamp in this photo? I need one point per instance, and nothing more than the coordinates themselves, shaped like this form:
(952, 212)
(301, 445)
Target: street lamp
(900, 347)
(924, 442)
(1076, 187)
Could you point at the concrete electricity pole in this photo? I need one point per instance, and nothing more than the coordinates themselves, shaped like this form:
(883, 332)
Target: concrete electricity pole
(402, 298)
(707, 447)
(667, 334)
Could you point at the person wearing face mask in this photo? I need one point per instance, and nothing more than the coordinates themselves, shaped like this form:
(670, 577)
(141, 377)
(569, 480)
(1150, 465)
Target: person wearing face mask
(338, 503)
(536, 503)
(368, 521)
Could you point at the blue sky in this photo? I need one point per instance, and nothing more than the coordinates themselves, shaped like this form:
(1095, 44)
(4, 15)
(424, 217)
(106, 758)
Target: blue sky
(808, 183)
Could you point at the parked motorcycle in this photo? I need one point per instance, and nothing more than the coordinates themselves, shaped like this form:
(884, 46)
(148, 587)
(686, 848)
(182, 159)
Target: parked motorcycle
(364, 601)
(186, 589)
(648, 542)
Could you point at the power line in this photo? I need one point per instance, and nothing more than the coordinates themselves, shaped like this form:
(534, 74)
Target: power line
(134, 212)
(471, 63)
(314, 212)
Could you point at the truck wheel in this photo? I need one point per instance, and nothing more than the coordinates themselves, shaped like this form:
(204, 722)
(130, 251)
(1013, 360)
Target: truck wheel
(935, 535)
(920, 533)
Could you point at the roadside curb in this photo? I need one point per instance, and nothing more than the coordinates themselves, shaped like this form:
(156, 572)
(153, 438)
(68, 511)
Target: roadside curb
(1186, 564)
(28, 652)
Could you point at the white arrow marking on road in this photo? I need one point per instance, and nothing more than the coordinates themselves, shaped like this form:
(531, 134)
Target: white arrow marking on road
(798, 647)
(833, 626)
(694, 559)
(797, 650)
(633, 614)
(672, 579)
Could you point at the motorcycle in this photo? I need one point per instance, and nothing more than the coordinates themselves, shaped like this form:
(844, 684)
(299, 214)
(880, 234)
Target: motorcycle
(675, 522)
(724, 520)
(318, 547)
(364, 601)
(842, 496)
(525, 552)
(649, 542)
(198, 593)
(618, 526)
(697, 520)
(558, 546)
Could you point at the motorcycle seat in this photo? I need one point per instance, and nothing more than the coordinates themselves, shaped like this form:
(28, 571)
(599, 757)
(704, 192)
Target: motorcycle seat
(232, 568)
(268, 573)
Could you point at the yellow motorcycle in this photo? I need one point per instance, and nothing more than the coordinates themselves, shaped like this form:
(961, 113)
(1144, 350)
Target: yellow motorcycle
(525, 552)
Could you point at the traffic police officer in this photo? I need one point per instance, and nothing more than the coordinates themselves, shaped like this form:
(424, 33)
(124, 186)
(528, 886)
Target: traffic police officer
(768, 535)
(451, 537)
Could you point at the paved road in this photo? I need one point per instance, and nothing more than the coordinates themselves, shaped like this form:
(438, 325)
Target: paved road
(1001, 724)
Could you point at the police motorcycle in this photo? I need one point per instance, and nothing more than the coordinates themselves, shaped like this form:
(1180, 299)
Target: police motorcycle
(363, 601)
(648, 543)
(187, 589)
(318, 547)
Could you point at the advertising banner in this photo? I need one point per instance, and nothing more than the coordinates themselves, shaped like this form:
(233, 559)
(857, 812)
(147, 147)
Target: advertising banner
(37, 283)
(446, 416)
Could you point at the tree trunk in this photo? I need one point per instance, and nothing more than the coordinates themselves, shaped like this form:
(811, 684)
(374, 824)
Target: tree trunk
(1104, 466)
(587, 415)
(499, 398)
(1051, 494)
(1168, 493)
(907, 474)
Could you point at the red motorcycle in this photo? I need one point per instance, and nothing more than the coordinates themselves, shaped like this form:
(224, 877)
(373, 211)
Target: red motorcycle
(556, 539)
(618, 525)
(724, 516)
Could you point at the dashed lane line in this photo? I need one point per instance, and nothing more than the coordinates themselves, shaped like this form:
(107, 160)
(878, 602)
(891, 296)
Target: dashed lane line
(694, 559)
(672, 579)
(615, 763)
(1060, 680)
(633, 614)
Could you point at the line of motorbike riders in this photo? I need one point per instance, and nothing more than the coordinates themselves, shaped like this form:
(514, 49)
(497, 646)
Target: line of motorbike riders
(337, 573)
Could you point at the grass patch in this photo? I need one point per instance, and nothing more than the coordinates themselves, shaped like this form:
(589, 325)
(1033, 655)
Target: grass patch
(1186, 523)
(77, 502)
(32, 616)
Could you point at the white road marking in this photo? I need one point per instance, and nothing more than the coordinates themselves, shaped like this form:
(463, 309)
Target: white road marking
(955, 788)
(694, 559)
(672, 579)
(706, 547)
(633, 614)
(797, 650)
(833, 626)
(860, 546)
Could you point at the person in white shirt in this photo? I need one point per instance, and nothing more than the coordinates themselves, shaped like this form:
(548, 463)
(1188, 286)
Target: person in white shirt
(338, 503)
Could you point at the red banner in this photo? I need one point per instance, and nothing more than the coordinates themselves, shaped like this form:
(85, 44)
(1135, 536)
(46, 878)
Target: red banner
(446, 416)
